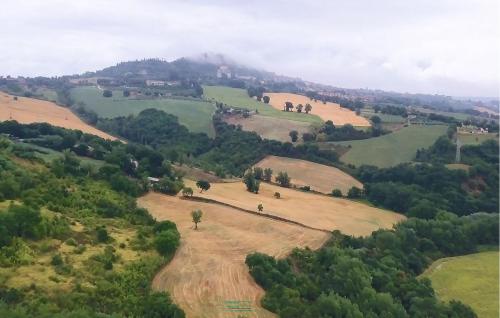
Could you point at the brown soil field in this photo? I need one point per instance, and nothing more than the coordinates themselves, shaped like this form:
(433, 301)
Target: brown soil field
(319, 177)
(29, 110)
(270, 127)
(314, 210)
(209, 268)
(328, 111)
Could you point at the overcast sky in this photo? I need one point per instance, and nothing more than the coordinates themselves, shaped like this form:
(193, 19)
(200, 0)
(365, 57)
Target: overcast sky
(434, 46)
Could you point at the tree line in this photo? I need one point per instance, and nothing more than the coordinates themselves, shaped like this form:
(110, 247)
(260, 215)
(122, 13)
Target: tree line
(374, 276)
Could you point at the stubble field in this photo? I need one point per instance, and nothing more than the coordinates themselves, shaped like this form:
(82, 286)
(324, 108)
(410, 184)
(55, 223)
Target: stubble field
(29, 110)
(319, 177)
(209, 268)
(329, 111)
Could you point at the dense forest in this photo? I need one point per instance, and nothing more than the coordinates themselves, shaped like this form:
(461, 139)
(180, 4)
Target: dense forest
(373, 276)
(231, 152)
(422, 190)
(46, 209)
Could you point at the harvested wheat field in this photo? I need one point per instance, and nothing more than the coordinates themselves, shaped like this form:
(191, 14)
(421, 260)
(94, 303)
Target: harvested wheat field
(314, 210)
(319, 177)
(329, 111)
(270, 127)
(29, 110)
(209, 268)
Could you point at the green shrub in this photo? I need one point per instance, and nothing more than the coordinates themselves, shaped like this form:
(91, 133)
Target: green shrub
(57, 260)
(102, 235)
(337, 193)
(166, 242)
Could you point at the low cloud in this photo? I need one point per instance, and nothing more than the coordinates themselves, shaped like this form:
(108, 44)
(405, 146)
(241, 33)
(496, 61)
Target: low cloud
(440, 46)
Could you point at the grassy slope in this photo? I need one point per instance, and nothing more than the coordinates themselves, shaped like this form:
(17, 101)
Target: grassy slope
(239, 98)
(459, 116)
(476, 139)
(48, 155)
(472, 279)
(196, 115)
(386, 118)
(392, 149)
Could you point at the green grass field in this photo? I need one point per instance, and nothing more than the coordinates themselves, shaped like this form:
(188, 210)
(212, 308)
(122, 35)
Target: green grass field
(459, 116)
(476, 139)
(47, 155)
(386, 118)
(472, 279)
(196, 115)
(49, 94)
(239, 98)
(391, 149)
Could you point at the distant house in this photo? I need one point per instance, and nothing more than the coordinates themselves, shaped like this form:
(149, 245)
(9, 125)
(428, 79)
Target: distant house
(155, 83)
(173, 83)
(153, 180)
(224, 71)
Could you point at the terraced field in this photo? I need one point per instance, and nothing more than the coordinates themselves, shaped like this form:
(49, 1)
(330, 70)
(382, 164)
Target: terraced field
(319, 177)
(196, 115)
(30, 110)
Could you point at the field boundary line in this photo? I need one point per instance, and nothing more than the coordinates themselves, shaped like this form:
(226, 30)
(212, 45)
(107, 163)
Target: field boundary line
(264, 215)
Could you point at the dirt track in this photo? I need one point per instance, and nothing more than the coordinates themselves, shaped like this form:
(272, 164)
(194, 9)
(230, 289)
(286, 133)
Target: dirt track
(30, 110)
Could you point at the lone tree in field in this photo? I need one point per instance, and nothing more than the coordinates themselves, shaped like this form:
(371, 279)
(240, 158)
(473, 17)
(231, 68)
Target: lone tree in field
(277, 195)
(283, 179)
(203, 185)
(260, 207)
(294, 135)
(266, 99)
(299, 108)
(308, 108)
(107, 93)
(126, 93)
(268, 174)
(187, 192)
(196, 215)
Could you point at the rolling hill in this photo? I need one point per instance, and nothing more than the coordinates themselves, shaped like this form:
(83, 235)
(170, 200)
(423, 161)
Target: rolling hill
(391, 149)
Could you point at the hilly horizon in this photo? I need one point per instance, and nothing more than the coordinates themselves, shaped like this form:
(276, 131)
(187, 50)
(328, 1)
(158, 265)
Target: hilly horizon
(259, 182)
